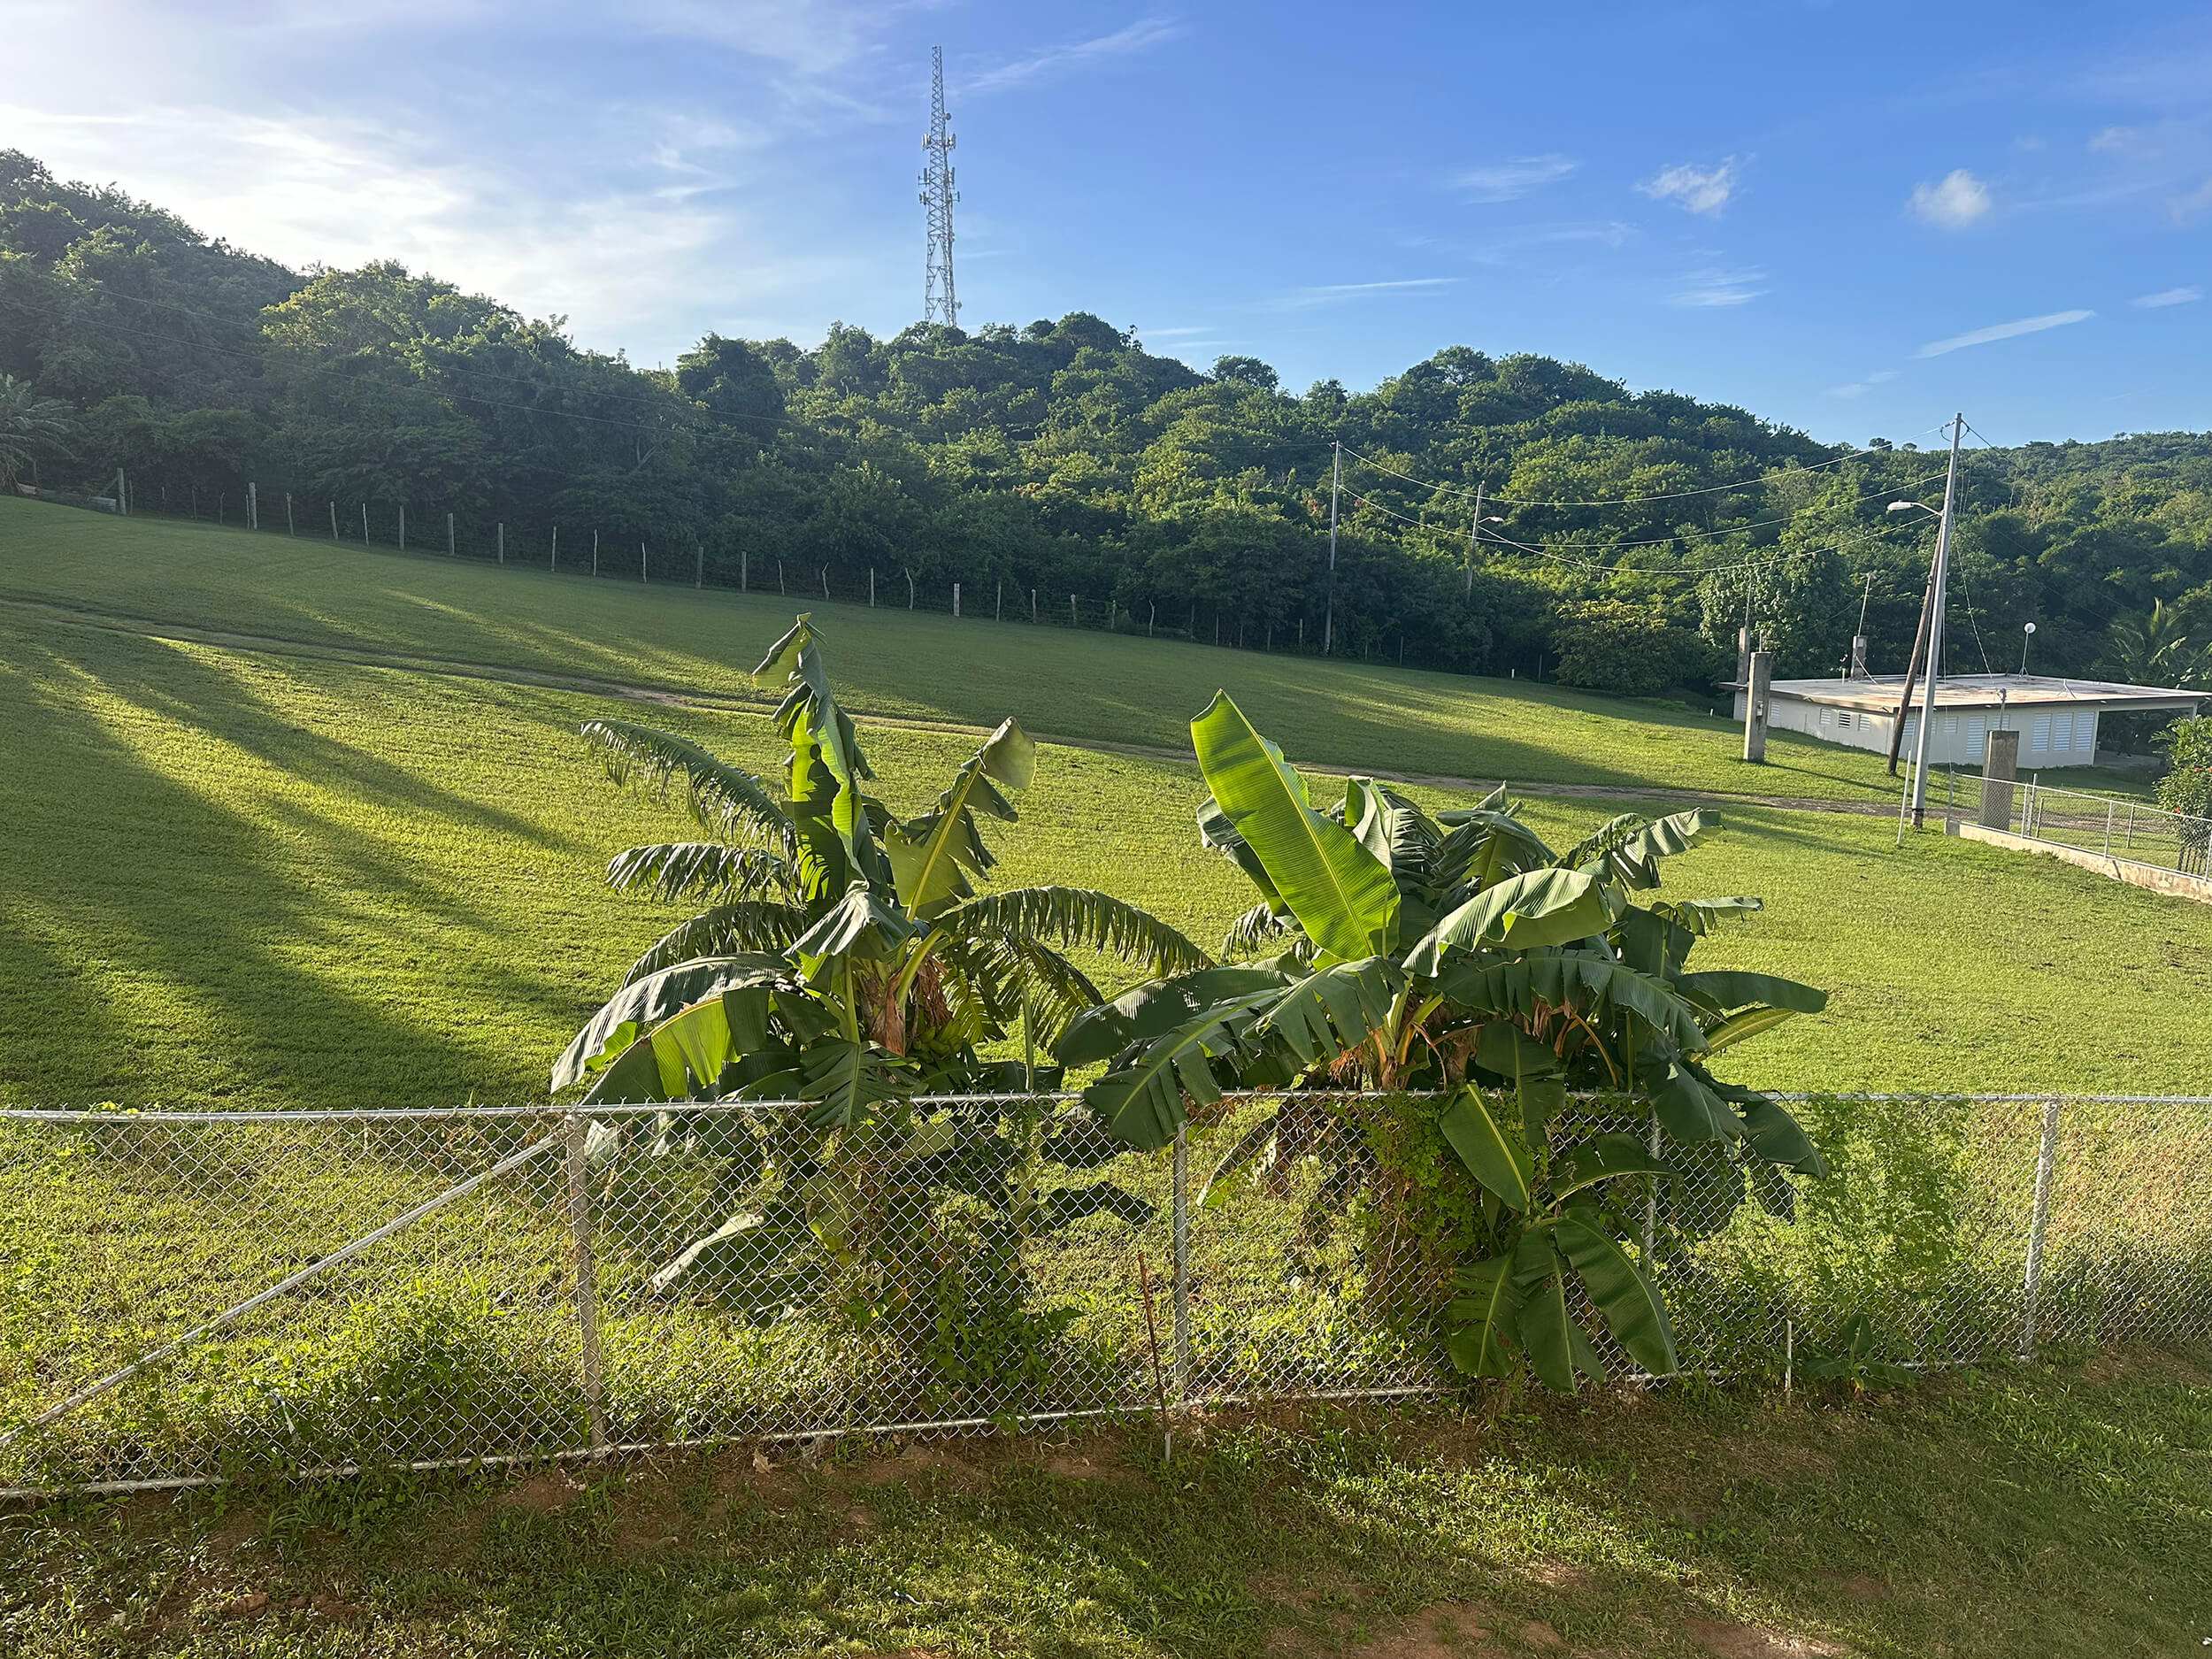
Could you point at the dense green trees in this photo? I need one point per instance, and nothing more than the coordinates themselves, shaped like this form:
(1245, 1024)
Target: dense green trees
(1063, 456)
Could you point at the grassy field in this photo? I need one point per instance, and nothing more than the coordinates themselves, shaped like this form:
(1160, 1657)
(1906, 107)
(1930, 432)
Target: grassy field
(242, 878)
(1086, 686)
(2062, 1513)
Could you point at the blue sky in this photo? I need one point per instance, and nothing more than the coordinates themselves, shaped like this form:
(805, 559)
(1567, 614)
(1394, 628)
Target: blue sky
(1851, 218)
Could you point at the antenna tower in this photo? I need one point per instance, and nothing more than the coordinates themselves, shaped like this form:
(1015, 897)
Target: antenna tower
(938, 195)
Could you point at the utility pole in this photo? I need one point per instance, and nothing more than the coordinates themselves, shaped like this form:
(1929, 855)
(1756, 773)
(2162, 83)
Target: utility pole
(1858, 640)
(1912, 672)
(1336, 480)
(937, 197)
(1935, 628)
(1743, 634)
(1473, 530)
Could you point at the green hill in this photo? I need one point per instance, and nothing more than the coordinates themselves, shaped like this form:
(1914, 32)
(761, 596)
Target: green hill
(1626, 531)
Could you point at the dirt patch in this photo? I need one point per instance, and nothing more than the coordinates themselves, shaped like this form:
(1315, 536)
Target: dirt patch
(1728, 1640)
(1558, 1575)
(1090, 1459)
(1858, 1583)
(1450, 1629)
(915, 1465)
(545, 1493)
(1537, 1633)
(1305, 1592)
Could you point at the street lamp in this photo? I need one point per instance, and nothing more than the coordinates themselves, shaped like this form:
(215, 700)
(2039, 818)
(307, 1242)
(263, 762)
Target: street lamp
(1907, 506)
(2027, 634)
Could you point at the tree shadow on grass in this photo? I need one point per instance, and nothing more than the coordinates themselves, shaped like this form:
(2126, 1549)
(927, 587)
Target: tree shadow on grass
(158, 944)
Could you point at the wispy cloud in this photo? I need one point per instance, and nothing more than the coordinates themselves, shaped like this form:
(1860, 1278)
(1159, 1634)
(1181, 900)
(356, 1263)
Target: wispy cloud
(2003, 331)
(1141, 35)
(1860, 388)
(1717, 287)
(1498, 250)
(1696, 189)
(2168, 296)
(2188, 205)
(1953, 201)
(1336, 292)
(1508, 180)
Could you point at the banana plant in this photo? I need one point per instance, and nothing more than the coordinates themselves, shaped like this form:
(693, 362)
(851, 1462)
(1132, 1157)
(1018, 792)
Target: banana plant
(845, 959)
(1456, 953)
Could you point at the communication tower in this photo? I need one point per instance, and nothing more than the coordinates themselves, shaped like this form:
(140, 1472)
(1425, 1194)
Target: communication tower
(938, 195)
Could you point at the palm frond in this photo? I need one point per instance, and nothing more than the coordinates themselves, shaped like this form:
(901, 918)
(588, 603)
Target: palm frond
(675, 869)
(1010, 971)
(747, 924)
(1078, 917)
(723, 799)
(1607, 838)
(1255, 930)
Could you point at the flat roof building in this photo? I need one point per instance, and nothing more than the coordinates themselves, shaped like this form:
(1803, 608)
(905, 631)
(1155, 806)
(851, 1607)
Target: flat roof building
(2057, 719)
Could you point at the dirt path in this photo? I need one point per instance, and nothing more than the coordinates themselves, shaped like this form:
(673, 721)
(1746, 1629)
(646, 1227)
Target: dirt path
(760, 702)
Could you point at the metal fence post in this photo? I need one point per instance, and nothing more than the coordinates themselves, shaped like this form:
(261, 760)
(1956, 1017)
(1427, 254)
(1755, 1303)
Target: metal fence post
(587, 1279)
(1182, 1266)
(1651, 1203)
(2032, 1284)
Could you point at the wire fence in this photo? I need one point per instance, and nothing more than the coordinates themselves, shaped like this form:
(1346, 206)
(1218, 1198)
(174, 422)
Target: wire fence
(190, 1297)
(2133, 830)
(687, 561)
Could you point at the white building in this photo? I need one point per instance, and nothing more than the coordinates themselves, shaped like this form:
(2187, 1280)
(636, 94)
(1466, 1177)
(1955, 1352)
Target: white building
(2056, 718)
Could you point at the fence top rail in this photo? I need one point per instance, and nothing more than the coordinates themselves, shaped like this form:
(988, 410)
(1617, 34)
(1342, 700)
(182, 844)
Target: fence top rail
(128, 1116)
(2045, 792)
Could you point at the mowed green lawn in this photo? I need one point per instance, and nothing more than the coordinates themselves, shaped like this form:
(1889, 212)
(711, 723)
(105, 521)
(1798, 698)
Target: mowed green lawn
(233, 878)
(1088, 685)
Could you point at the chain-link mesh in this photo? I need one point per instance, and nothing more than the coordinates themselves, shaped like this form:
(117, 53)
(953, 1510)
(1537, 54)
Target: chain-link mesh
(186, 1297)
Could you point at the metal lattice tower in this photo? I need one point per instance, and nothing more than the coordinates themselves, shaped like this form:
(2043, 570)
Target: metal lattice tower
(938, 195)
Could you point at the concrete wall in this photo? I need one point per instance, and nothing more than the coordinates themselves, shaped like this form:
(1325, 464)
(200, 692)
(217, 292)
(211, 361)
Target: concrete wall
(2150, 876)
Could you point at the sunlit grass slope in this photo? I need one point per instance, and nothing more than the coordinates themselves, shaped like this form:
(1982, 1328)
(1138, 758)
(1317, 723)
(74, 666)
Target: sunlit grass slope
(232, 877)
(1088, 685)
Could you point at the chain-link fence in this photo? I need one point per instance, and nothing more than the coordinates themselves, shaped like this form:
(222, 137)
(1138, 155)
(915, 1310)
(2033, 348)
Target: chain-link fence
(186, 1297)
(2134, 832)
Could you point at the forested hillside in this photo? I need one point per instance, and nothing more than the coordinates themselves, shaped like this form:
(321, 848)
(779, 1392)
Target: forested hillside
(1629, 532)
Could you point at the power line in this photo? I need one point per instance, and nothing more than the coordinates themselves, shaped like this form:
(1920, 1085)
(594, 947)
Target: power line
(1761, 523)
(1623, 500)
(1699, 570)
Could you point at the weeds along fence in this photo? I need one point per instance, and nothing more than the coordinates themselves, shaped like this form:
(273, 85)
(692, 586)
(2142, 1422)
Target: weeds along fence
(189, 1297)
(685, 561)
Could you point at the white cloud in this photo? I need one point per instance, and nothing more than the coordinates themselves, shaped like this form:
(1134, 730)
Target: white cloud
(1717, 287)
(1955, 202)
(2168, 296)
(1138, 36)
(624, 253)
(1335, 293)
(1860, 388)
(2003, 331)
(1506, 181)
(2187, 206)
(2119, 141)
(1697, 189)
